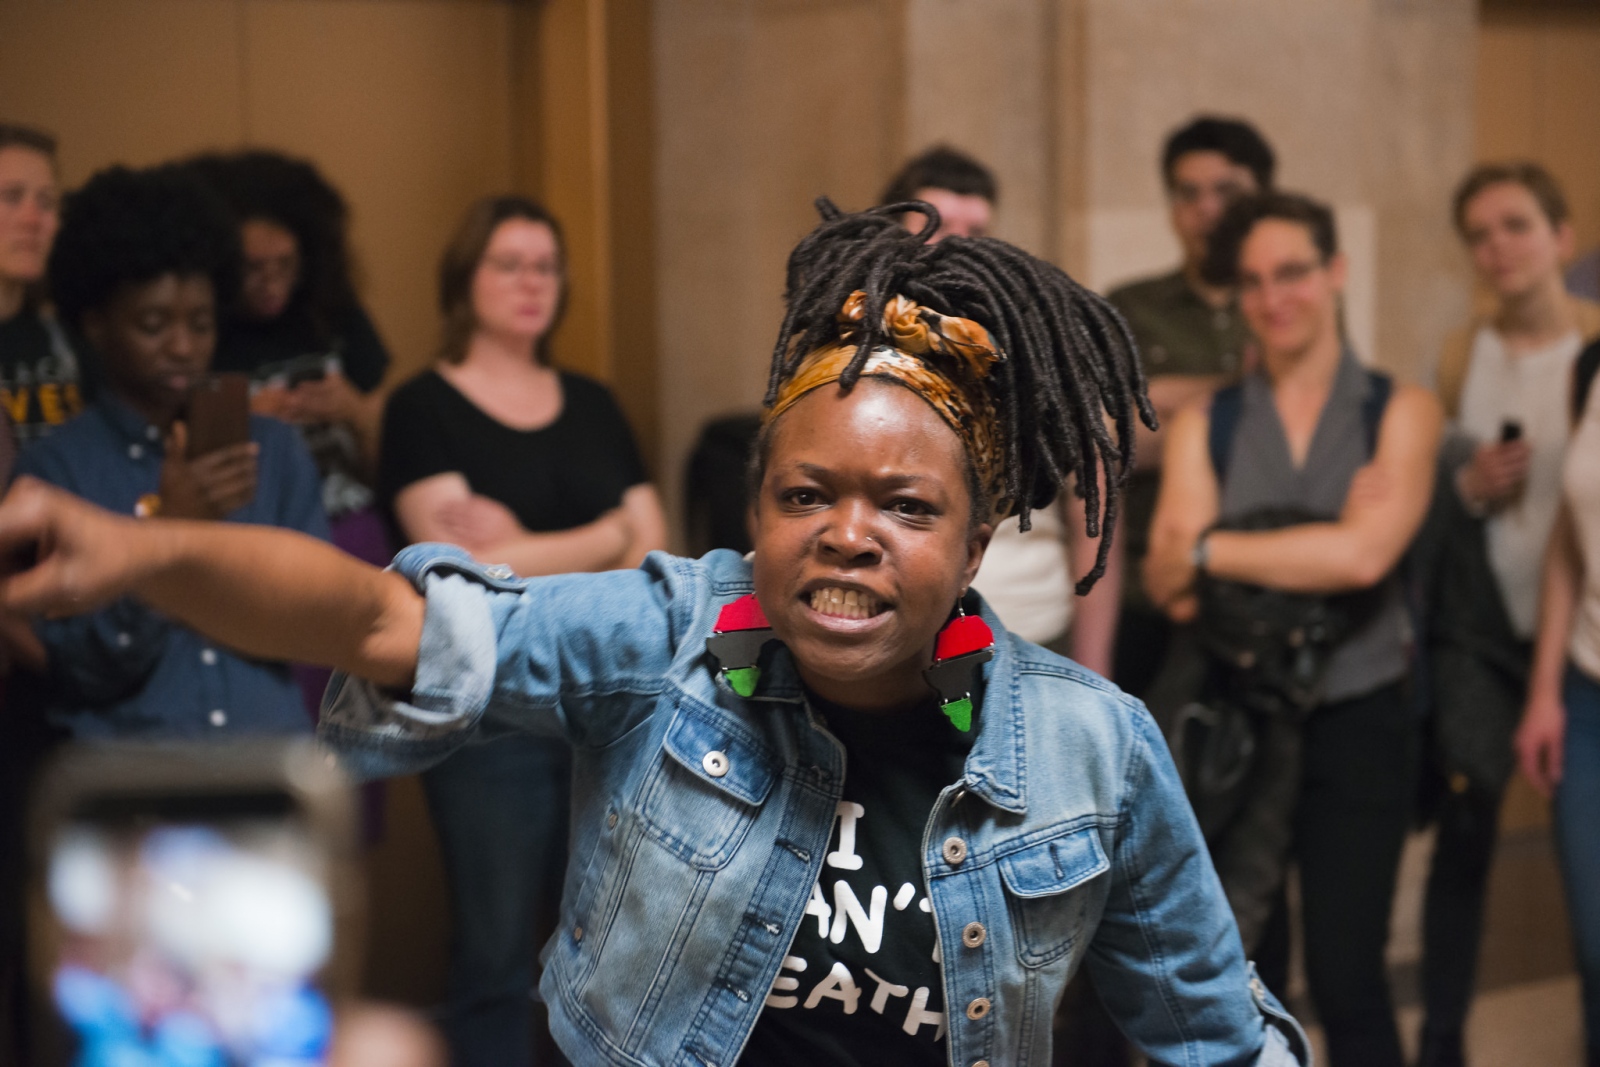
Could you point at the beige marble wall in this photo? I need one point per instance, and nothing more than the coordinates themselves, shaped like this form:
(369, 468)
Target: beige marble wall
(1368, 103)
(762, 105)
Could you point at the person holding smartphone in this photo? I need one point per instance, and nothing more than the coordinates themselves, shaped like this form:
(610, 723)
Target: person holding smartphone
(142, 263)
(298, 329)
(1505, 381)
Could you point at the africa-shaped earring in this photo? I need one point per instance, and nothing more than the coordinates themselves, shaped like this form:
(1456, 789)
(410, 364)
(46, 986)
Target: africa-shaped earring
(736, 640)
(964, 645)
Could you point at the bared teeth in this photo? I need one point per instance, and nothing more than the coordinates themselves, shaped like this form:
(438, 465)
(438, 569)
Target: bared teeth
(844, 603)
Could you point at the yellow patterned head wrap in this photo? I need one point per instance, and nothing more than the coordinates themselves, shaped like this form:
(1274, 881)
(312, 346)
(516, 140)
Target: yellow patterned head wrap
(943, 359)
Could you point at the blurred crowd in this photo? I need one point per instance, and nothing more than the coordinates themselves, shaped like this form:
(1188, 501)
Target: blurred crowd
(1353, 604)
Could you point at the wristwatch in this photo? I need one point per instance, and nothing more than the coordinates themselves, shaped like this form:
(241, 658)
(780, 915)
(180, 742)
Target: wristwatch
(1201, 555)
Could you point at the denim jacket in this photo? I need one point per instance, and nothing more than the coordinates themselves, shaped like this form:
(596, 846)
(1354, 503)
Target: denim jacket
(701, 819)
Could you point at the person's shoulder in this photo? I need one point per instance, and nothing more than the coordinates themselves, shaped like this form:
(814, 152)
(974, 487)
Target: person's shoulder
(70, 447)
(1063, 700)
(1143, 291)
(269, 432)
(1414, 411)
(421, 390)
(582, 388)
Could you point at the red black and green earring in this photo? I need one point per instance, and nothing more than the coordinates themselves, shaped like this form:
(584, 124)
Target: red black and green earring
(742, 628)
(964, 645)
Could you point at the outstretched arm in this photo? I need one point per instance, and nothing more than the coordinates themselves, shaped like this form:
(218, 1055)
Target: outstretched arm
(265, 592)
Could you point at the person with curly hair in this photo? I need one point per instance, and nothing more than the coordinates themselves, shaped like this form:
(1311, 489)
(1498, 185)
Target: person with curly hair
(143, 261)
(298, 329)
(826, 809)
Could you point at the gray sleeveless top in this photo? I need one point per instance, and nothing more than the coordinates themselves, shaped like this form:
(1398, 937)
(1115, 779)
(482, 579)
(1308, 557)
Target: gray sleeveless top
(1261, 474)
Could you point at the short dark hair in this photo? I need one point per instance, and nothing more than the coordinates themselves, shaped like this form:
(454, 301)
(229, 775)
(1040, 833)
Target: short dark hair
(16, 135)
(942, 167)
(1236, 139)
(1531, 176)
(459, 264)
(133, 226)
(1221, 266)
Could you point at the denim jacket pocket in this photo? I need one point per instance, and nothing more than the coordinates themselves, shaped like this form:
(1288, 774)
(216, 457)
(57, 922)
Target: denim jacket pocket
(706, 789)
(1040, 880)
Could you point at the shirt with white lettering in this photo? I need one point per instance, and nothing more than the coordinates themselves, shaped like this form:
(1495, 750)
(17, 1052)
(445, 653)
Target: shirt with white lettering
(862, 983)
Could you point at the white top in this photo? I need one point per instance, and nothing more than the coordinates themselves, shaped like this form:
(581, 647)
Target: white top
(1534, 389)
(1027, 579)
(1580, 481)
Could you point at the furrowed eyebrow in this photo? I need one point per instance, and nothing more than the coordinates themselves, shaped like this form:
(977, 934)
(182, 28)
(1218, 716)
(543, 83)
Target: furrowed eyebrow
(894, 481)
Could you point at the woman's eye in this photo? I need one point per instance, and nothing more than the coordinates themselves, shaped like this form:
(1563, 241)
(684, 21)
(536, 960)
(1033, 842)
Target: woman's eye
(907, 506)
(802, 498)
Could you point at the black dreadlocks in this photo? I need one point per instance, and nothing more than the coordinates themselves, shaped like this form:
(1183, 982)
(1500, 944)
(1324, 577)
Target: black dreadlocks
(1069, 358)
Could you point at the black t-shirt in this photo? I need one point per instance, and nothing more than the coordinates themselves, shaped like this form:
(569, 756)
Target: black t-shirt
(250, 347)
(43, 374)
(861, 984)
(562, 475)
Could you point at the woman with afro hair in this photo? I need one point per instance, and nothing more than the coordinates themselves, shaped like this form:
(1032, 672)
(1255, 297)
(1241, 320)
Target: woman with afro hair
(826, 809)
(140, 267)
(297, 328)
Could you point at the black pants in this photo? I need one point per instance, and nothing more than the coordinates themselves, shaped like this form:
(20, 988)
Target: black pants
(1359, 780)
(1143, 633)
(1478, 705)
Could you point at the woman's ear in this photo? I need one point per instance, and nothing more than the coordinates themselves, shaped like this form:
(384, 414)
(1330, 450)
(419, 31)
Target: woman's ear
(1566, 242)
(1338, 270)
(977, 544)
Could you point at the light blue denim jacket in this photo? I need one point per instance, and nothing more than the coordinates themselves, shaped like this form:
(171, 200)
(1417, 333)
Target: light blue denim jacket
(700, 822)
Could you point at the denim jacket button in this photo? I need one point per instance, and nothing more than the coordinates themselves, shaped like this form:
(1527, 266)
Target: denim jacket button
(955, 850)
(715, 763)
(980, 1063)
(972, 936)
(577, 933)
(611, 821)
(978, 1008)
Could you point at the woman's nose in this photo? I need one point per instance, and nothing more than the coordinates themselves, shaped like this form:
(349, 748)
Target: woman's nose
(850, 533)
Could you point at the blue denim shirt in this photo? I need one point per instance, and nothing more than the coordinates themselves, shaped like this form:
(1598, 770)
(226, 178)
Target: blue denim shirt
(701, 819)
(125, 671)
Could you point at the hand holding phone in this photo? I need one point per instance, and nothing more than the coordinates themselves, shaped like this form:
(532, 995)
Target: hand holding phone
(212, 486)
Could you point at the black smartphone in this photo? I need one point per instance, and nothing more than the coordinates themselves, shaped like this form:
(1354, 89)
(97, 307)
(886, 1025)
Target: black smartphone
(1510, 430)
(218, 414)
(289, 373)
(192, 904)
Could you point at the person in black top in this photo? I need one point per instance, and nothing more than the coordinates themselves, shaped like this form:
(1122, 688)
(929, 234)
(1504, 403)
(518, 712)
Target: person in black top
(299, 330)
(535, 469)
(41, 372)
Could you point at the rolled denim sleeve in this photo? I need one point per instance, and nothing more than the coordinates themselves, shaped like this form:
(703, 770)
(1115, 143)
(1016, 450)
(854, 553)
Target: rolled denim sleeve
(1166, 957)
(580, 656)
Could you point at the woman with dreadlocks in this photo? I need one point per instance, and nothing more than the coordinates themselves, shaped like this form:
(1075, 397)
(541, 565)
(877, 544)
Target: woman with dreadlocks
(826, 809)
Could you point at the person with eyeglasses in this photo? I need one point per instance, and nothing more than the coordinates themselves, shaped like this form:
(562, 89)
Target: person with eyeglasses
(298, 329)
(1350, 453)
(536, 470)
(1191, 340)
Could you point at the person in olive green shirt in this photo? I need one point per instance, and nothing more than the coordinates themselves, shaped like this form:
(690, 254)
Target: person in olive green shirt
(1191, 338)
